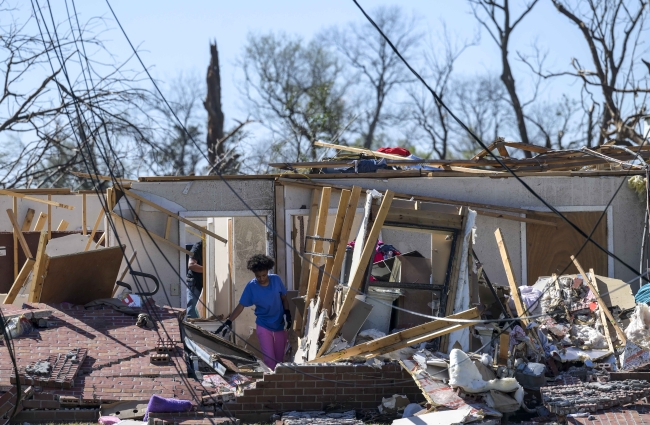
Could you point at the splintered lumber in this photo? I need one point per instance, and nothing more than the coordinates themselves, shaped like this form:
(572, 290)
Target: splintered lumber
(27, 222)
(20, 281)
(176, 216)
(504, 347)
(31, 198)
(357, 278)
(40, 222)
(19, 233)
(403, 338)
(95, 227)
(168, 227)
(510, 274)
(153, 235)
(314, 270)
(62, 226)
(49, 219)
(601, 304)
(40, 269)
(330, 279)
(603, 318)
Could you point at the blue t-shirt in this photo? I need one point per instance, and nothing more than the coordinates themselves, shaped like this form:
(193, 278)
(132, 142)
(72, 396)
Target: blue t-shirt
(266, 299)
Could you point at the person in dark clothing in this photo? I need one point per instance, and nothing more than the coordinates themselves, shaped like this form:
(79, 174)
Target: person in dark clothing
(194, 279)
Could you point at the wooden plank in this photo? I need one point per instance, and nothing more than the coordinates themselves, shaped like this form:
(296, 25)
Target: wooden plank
(40, 269)
(280, 246)
(31, 198)
(503, 151)
(417, 197)
(398, 337)
(153, 235)
(110, 197)
(418, 339)
(516, 218)
(168, 227)
(27, 222)
(308, 243)
(19, 234)
(202, 307)
(101, 239)
(176, 216)
(367, 152)
(329, 281)
(548, 249)
(357, 278)
(314, 270)
(601, 304)
(510, 274)
(124, 271)
(65, 281)
(484, 152)
(40, 222)
(62, 226)
(84, 226)
(101, 177)
(603, 317)
(422, 218)
(49, 219)
(95, 227)
(20, 281)
(504, 347)
(15, 238)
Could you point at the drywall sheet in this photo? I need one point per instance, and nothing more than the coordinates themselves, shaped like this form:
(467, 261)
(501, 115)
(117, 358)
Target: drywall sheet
(82, 277)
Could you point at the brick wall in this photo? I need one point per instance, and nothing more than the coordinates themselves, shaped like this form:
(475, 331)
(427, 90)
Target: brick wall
(356, 387)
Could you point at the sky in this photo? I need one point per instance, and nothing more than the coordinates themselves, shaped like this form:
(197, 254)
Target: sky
(174, 36)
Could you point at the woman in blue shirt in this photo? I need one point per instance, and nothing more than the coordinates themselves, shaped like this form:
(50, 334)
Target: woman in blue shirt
(269, 296)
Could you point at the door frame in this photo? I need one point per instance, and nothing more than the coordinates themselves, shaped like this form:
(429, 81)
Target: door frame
(269, 223)
(586, 208)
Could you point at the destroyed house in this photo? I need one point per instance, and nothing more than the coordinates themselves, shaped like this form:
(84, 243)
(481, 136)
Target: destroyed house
(370, 260)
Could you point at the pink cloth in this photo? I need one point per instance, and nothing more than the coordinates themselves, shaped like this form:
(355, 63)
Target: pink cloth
(273, 345)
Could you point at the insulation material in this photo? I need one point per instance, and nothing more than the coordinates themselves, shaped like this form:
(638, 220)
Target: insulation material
(638, 331)
(464, 374)
(588, 337)
(462, 301)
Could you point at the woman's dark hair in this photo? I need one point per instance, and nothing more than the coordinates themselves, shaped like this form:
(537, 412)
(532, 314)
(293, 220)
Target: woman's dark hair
(260, 262)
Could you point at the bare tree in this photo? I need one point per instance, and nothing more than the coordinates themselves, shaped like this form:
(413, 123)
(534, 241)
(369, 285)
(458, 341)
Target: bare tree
(294, 88)
(378, 70)
(614, 31)
(497, 18)
(52, 122)
(431, 121)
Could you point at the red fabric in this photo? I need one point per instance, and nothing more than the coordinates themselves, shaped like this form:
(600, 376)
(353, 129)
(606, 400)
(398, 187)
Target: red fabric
(395, 151)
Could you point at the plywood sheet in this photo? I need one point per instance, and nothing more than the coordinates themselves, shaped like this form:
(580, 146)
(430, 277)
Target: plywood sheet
(615, 292)
(82, 277)
(548, 249)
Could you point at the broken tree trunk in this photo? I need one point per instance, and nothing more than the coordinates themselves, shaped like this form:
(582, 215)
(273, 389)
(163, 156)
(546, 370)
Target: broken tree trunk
(212, 105)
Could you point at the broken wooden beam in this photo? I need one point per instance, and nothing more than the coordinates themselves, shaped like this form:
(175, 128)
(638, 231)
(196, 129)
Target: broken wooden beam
(31, 198)
(27, 222)
(20, 281)
(510, 274)
(356, 279)
(40, 269)
(19, 233)
(403, 338)
(601, 304)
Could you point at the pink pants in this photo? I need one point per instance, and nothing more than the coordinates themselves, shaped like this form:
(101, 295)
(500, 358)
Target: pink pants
(273, 345)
